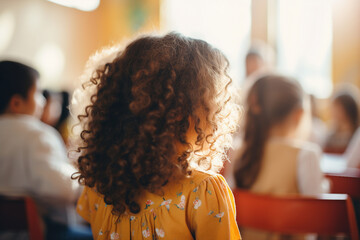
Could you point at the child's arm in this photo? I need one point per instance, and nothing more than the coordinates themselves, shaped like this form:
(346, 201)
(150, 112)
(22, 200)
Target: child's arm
(311, 180)
(211, 210)
(352, 154)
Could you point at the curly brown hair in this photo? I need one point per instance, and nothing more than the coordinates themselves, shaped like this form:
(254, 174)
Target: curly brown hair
(144, 103)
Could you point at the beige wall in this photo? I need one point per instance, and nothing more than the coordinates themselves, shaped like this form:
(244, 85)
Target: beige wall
(346, 35)
(259, 20)
(346, 41)
(78, 34)
(109, 24)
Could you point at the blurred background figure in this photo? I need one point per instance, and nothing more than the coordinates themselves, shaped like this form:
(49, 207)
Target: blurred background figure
(318, 126)
(259, 58)
(344, 120)
(56, 112)
(33, 158)
(274, 159)
(352, 153)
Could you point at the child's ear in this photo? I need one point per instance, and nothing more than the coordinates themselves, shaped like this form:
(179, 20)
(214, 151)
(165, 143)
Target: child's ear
(15, 104)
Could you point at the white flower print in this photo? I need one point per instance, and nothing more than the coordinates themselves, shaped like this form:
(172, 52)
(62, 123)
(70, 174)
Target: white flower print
(181, 205)
(132, 218)
(219, 215)
(197, 203)
(146, 233)
(160, 232)
(166, 203)
(100, 232)
(114, 236)
(80, 207)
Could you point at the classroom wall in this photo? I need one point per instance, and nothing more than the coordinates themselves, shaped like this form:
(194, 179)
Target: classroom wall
(346, 41)
(76, 33)
(346, 35)
(79, 34)
(259, 20)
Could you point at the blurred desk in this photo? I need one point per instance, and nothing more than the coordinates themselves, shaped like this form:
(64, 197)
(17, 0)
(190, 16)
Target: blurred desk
(343, 179)
(332, 163)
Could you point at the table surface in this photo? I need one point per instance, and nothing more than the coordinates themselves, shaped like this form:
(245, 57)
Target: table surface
(332, 163)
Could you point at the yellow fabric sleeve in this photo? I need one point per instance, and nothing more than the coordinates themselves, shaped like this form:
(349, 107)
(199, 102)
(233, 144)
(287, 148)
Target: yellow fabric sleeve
(211, 210)
(83, 205)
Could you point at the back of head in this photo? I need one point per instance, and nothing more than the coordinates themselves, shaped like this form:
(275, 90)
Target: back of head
(260, 56)
(15, 78)
(270, 101)
(349, 102)
(141, 113)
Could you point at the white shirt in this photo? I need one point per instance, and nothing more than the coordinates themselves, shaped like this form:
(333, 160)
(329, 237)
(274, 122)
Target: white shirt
(352, 154)
(33, 161)
(310, 177)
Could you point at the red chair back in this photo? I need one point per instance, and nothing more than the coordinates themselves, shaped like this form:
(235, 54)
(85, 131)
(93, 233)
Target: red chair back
(329, 214)
(20, 213)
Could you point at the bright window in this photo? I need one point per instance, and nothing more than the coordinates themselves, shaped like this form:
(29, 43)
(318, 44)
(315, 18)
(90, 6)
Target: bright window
(304, 42)
(224, 24)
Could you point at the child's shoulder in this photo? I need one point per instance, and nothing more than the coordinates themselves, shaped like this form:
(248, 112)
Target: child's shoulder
(305, 146)
(22, 121)
(199, 178)
(299, 145)
(20, 126)
(32, 124)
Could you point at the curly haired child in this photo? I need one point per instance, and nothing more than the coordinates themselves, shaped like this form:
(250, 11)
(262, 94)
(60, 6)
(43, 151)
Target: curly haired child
(154, 133)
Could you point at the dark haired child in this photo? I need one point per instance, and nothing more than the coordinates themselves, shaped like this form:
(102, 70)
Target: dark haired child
(153, 137)
(344, 121)
(56, 112)
(273, 158)
(33, 160)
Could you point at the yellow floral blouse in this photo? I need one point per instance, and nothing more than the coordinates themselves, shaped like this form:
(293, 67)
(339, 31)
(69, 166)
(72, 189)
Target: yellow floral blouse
(198, 207)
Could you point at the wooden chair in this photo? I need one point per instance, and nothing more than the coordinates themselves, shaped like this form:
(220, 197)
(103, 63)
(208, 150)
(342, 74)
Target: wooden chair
(20, 214)
(329, 214)
(346, 182)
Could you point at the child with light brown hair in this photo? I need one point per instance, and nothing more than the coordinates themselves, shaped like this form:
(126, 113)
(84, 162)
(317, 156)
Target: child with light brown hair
(154, 135)
(274, 158)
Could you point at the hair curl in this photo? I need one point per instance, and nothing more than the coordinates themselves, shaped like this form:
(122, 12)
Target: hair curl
(142, 108)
